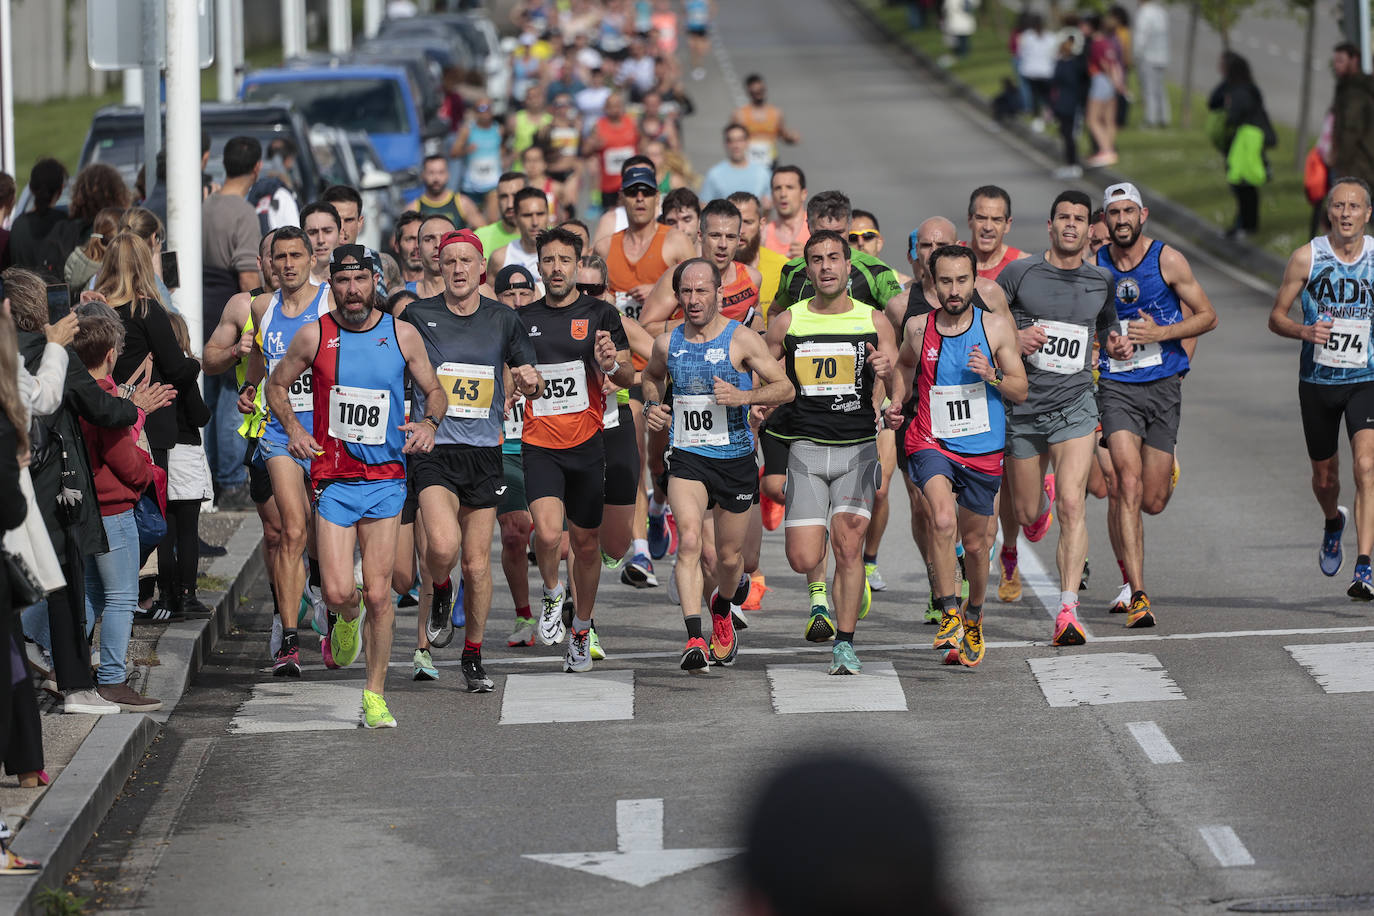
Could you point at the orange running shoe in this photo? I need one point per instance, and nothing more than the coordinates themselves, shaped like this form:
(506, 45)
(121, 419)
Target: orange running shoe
(757, 586)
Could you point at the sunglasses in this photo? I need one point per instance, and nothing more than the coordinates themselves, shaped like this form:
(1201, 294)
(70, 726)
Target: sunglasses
(867, 235)
(591, 289)
(484, 108)
(639, 191)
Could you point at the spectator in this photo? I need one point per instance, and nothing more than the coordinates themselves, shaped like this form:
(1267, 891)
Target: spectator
(1240, 128)
(1117, 24)
(1066, 101)
(736, 172)
(1104, 84)
(31, 229)
(83, 263)
(273, 195)
(96, 187)
(1152, 59)
(7, 192)
(145, 224)
(1036, 52)
(960, 24)
(156, 200)
(122, 472)
(1352, 118)
(188, 485)
(231, 232)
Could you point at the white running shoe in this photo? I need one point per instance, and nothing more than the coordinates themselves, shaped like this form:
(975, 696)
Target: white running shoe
(274, 642)
(1123, 599)
(551, 629)
(579, 655)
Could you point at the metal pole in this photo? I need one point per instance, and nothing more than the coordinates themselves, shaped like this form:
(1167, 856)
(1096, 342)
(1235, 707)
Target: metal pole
(133, 86)
(1365, 63)
(183, 161)
(372, 17)
(152, 101)
(238, 36)
(340, 26)
(290, 40)
(224, 50)
(7, 160)
(1305, 94)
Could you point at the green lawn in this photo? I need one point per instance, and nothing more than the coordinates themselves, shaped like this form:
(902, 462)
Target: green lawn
(1177, 163)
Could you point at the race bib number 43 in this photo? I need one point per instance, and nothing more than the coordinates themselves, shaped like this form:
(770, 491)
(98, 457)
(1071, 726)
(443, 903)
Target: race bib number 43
(824, 368)
(470, 389)
(359, 414)
(958, 410)
(565, 388)
(1065, 351)
(1348, 345)
(699, 420)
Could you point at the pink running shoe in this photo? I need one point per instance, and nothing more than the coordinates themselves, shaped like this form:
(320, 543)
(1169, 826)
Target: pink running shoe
(327, 653)
(1067, 631)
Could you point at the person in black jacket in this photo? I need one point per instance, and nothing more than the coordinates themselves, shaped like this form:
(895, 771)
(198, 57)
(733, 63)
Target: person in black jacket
(188, 485)
(1240, 128)
(30, 229)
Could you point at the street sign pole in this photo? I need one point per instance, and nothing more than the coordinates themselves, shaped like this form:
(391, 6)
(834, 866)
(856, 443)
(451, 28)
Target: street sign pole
(7, 163)
(224, 49)
(152, 102)
(1366, 64)
(183, 161)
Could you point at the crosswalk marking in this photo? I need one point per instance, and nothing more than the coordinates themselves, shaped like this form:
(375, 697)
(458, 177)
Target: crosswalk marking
(592, 697)
(1104, 677)
(810, 688)
(293, 706)
(1338, 667)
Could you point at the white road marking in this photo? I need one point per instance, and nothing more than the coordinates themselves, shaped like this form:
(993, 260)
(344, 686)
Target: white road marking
(1346, 667)
(293, 706)
(1102, 678)
(1039, 579)
(639, 857)
(1226, 846)
(1152, 741)
(811, 688)
(591, 697)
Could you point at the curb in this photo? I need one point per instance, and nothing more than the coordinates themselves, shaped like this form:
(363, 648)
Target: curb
(1174, 215)
(70, 812)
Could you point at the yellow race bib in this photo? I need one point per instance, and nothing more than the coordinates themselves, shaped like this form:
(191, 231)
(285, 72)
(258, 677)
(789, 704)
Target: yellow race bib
(470, 389)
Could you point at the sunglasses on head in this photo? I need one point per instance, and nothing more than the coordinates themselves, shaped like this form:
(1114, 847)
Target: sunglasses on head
(591, 289)
(867, 235)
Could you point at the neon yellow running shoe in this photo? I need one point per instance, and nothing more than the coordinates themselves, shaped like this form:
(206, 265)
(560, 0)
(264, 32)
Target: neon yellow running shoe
(375, 713)
(594, 646)
(866, 604)
(345, 641)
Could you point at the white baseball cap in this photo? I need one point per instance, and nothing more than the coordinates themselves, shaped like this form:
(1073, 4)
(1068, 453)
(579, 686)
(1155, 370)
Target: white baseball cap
(1119, 192)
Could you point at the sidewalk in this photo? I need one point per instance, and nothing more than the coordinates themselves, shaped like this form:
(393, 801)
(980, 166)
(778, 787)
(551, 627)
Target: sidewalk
(89, 758)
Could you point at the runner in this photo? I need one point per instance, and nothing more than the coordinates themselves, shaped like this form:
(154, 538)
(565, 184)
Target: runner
(966, 362)
(786, 231)
(1336, 377)
(431, 233)
(767, 262)
(613, 139)
(834, 348)
(321, 223)
(1059, 301)
(504, 230)
(698, 14)
(468, 338)
(438, 200)
(720, 234)
(682, 211)
(764, 123)
(406, 240)
(532, 216)
(358, 454)
(870, 281)
(866, 235)
(349, 205)
(1140, 398)
(711, 466)
(478, 142)
(578, 341)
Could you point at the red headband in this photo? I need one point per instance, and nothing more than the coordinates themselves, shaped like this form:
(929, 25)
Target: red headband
(465, 236)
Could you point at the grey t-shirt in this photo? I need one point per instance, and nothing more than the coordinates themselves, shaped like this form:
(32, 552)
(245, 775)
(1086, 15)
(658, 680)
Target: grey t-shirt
(230, 232)
(468, 353)
(1073, 306)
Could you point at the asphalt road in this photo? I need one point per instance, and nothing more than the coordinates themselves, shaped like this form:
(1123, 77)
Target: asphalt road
(1172, 770)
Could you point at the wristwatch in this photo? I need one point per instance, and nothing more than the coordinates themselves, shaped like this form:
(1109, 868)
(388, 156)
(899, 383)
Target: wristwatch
(432, 422)
(650, 405)
(996, 377)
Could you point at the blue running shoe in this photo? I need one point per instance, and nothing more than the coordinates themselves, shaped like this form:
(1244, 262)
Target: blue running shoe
(1362, 587)
(460, 614)
(659, 539)
(1332, 557)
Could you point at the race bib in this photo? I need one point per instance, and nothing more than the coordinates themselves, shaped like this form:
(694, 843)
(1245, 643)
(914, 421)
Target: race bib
(1348, 345)
(615, 158)
(469, 387)
(1065, 351)
(484, 172)
(565, 388)
(513, 426)
(628, 305)
(958, 410)
(1145, 355)
(761, 152)
(824, 368)
(699, 420)
(301, 394)
(611, 418)
(359, 414)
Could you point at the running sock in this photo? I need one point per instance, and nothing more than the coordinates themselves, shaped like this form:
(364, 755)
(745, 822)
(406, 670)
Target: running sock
(288, 639)
(1009, 550)
(973, 614)
(1068, 599)
(472, 649)
(1125, 579)
(1333, 524)
(656, 508)
(947, 603)
(1362, 560)
(844, 636)
(818, 594)
(447, 583)
(720, 606)
(523, 612)
(693, 626)
(870, 558)
(556, 591)
(639, 547)
(741, 594)
(314, 571)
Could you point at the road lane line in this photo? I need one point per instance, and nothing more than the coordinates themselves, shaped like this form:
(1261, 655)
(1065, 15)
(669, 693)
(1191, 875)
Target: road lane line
(1229, 851)
(811, 688)
(593, 697)
(1102, 678)
(1152, 741)
(1346, 667)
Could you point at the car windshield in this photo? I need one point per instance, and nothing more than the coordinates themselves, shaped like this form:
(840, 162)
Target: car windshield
(374, 105)
(124, 150)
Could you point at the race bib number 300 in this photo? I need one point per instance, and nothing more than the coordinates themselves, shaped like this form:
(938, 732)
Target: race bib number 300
(359, 414)
(1065, 351)
(565, 388)
(699, 420)
(824, 368)
(301, 394)
(1145, 355)
(469, 387)
(958, 410)
(1348, 345)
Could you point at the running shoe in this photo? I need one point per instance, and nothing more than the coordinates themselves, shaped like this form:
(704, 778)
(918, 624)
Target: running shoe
(319, 611)
(757, 586)
(578, 657)
(1067, 631)
(772, 513)
(375, 713)
(951, 628)
(1048, 486)
(971, 646)
(724, 645)
(658, 536)
(287, 663)
(737, 615)
(843, 660)
(327, 653)
(1009, 584)
(460, 608)
(672, 530)
(274, 641)
(1332, 558)
(1042, 524)
(424, 666)
(639, 572)
(1087, 571)
(1123, 599)
(819, 626)
(439, 624)
(523, 634)
(345, 640)
(866, 602)
(610, 562)
(475, 676)
(1174, 475)
(1139, 614)
(594, 645)
(694, 655)
(1362, 586)
(932, 613)
(410, 598)
(551, 628)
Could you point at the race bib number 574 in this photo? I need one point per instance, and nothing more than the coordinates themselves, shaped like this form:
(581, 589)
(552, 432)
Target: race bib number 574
(1348, 345)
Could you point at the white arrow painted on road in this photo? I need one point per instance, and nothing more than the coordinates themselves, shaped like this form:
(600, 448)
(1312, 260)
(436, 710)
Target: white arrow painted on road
(639, 858)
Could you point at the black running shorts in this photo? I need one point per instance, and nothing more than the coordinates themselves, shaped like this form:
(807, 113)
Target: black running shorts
(576, 476)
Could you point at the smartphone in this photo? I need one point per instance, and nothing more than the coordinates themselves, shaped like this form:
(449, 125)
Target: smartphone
(59, 302)
(171, 275)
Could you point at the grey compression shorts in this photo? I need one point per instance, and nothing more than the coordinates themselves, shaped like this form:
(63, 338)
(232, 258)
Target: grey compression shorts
(825, 479)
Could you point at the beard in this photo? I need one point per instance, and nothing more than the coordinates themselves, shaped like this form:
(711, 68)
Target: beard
(1134, 234)
(955, 307)
(356, 311)
(748, 251)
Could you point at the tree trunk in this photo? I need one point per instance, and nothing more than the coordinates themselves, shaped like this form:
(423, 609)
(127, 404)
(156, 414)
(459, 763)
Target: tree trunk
(1186, 119)
(1305, 96)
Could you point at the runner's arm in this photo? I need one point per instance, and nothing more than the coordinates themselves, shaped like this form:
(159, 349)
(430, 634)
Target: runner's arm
(1006, 355)
(653, 378)
(994, 298)
(229, 343)
(775, 388)
(1294, 279)
(677, 248)
(520, 357)
(469, 211)
(903, 376)
(420, 433)
(777, 332)
(641, 341)
(1176, 272)
(659, 305)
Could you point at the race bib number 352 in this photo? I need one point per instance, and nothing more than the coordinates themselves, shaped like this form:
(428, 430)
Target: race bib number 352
(1348, 345)
(565, 388)
(469, 387)
(824, 368)
(1065, 350)
(359, 414)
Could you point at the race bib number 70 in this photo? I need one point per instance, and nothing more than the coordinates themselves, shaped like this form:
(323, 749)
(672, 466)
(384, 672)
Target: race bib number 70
(824, 368)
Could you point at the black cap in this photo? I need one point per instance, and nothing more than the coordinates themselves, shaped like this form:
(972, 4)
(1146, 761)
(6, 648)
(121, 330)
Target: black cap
(344, 253)
(513, 276)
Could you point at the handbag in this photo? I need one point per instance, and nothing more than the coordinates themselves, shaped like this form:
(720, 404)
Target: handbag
(30, 542)
(25, 589)
(152, 527)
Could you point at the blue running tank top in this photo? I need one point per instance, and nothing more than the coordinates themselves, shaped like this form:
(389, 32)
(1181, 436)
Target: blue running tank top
(1343, 293)
(1138, 291)
(957, 413)
(359, 402)
(700, 425)
(275, 338)
(482, 167)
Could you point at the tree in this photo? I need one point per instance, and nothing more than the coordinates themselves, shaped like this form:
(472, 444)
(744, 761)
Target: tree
(1222, 16)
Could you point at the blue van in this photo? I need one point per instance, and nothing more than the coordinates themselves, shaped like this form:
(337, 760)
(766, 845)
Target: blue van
(378, 100)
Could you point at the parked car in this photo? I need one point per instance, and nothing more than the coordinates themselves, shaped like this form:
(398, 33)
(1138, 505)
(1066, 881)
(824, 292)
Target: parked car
(477, 31)
(348, 157)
